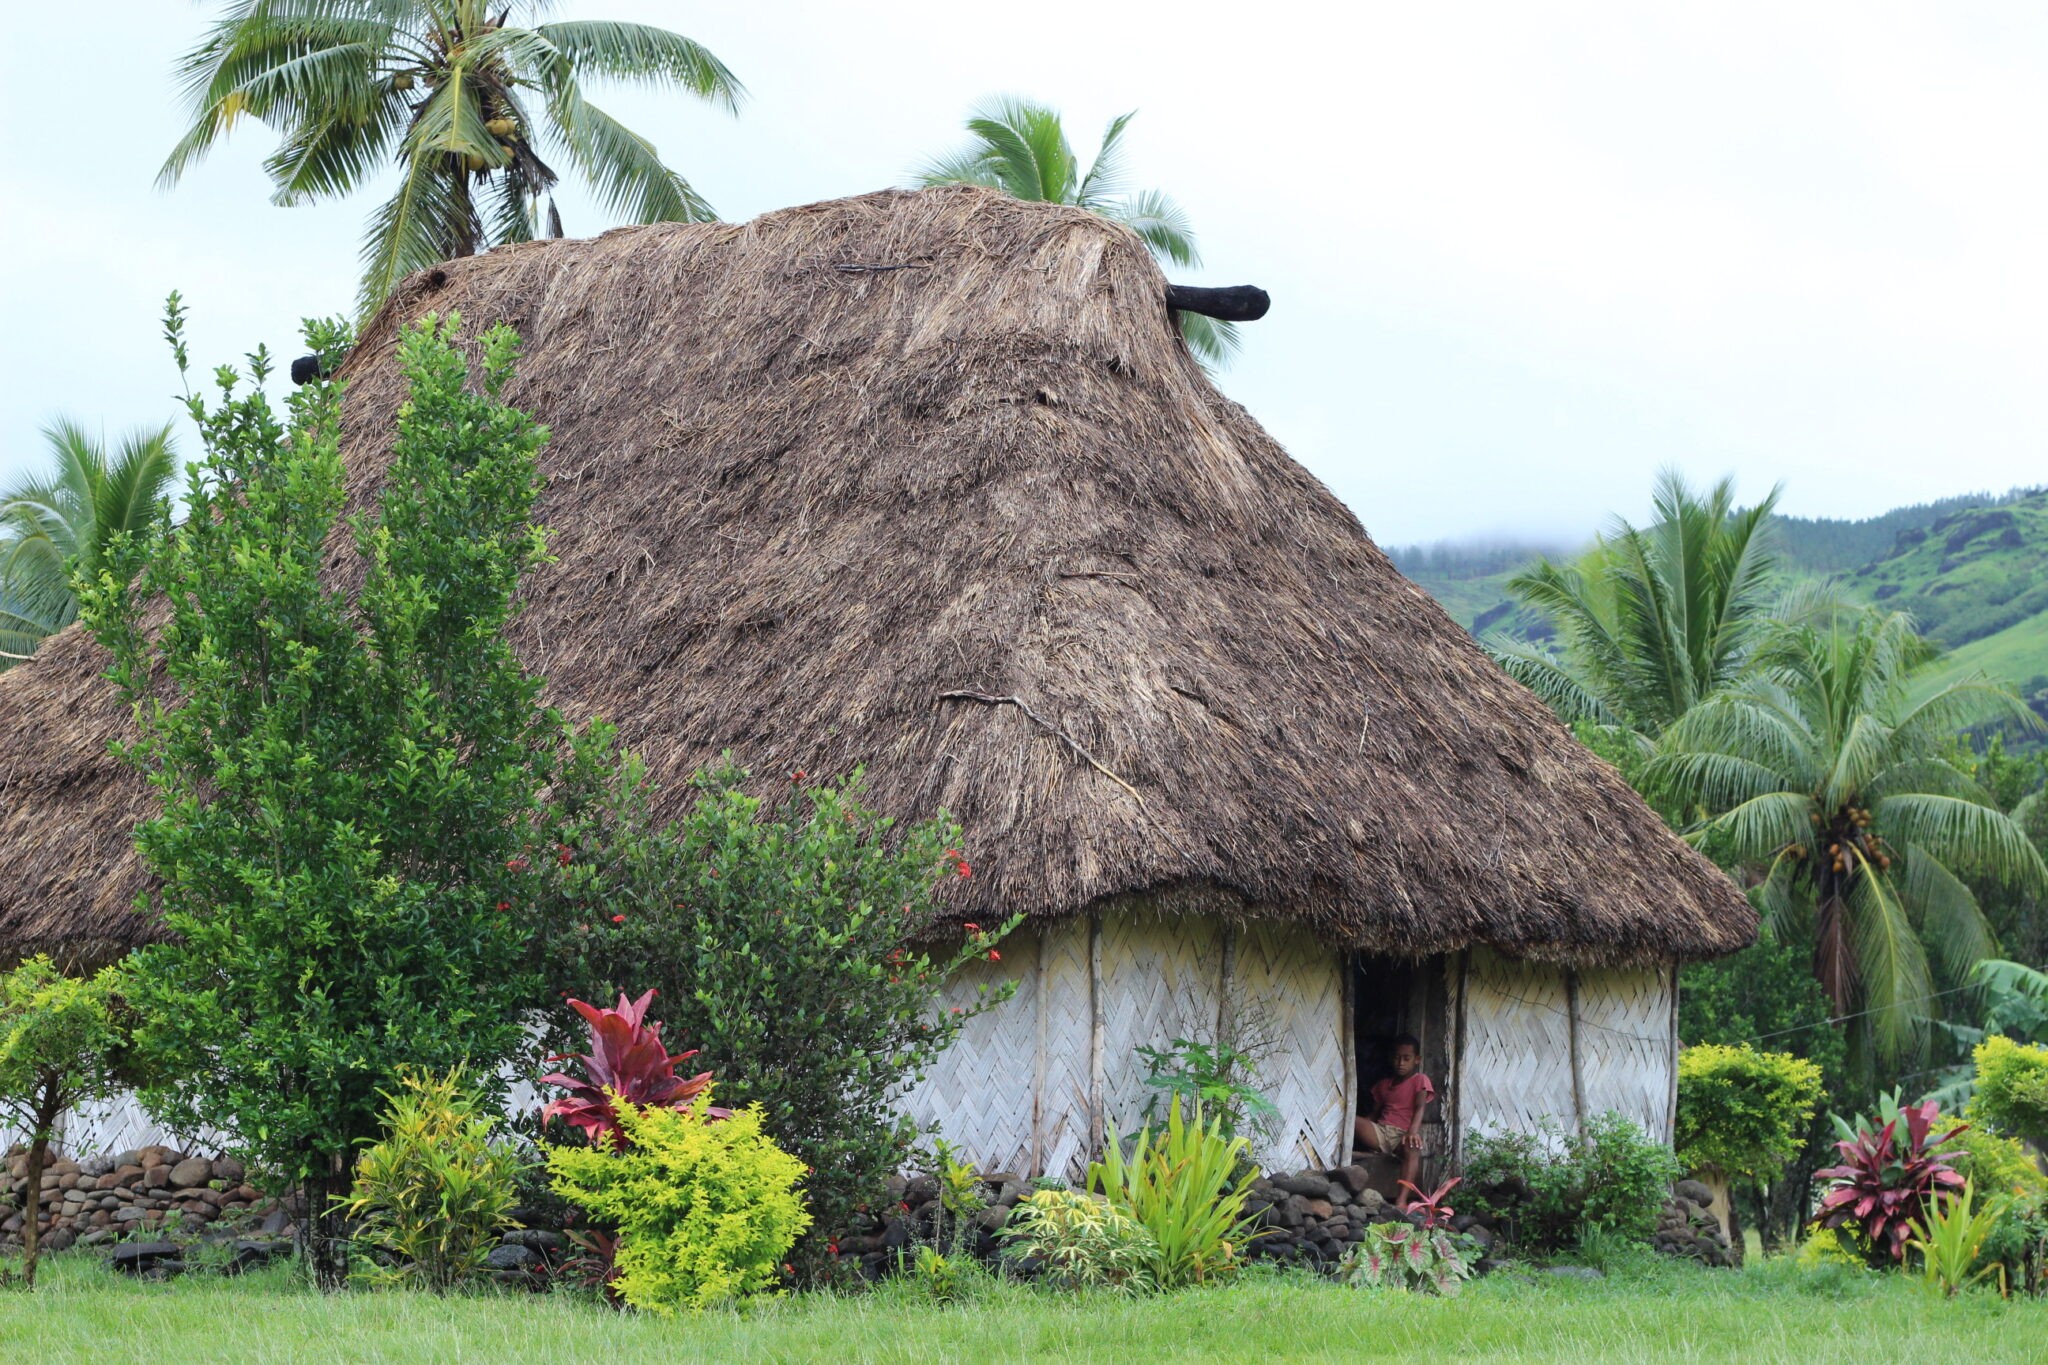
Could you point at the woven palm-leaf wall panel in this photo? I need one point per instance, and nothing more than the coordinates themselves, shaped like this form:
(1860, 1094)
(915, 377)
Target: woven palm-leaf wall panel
(1160, 977)
(1516, 1069)
(978, 1093)
(1064, 1025)
(1287, 992)
(1625, 1052)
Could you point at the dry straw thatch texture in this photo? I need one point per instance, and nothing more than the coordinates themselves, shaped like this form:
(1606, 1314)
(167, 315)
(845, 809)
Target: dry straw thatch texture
(927, 482)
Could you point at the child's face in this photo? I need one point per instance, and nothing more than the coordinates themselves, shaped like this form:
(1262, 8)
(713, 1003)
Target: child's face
(1406, 1059)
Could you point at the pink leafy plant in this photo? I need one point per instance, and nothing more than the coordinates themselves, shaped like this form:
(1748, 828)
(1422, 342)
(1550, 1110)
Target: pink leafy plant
(1883, 1186)
(627, 1062)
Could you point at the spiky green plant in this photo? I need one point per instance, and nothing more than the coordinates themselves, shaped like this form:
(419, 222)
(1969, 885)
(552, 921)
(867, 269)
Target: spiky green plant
(1653, 620)
(64, 517)
(461, 98)
(1820, 769)
(1021, 148)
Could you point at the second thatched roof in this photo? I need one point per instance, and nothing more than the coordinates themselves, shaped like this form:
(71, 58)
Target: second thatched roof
(927, 482)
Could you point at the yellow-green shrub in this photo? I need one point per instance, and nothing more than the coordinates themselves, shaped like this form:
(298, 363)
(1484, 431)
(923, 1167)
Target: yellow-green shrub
(1829, 1246)
(435, 1192)
(1996, 1163)
(705, 1212)
(2012, 1088)
(1743, 1112)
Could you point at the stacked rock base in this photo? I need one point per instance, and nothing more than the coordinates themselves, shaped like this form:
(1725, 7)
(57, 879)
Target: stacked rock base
(1686, 1228)
(1309, 1218)
(125, 1196)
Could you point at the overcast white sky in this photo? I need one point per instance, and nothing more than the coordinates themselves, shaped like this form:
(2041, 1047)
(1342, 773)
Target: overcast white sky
(1520, 255)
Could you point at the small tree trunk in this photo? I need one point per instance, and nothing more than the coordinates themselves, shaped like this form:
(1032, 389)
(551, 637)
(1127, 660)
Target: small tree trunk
(322, 1231)
(47, 1110)
(1723, 1209)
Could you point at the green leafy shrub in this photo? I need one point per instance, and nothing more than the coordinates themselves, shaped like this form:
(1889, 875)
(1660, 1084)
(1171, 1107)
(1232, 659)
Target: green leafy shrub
(781, 939)
(705, 1212)
(343, 773)
(1081, 1241)
(2012, 1088)
(63, 1040)
(1551, 1185)
(1742, 1112)
(1832, 1247)
(1177, 1183)
(1212, 1075)
(1949, 1236)
(1996, 1163)
(434, 1193)
(1401, 1256)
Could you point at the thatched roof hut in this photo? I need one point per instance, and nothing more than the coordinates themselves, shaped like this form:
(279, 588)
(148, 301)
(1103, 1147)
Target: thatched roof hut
(927, 482)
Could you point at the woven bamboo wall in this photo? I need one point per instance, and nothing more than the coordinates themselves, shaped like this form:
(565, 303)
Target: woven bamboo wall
(1516, 1068)
(979, 1090)
(1290, 990)
(1023, 1087)
(1625, 1044)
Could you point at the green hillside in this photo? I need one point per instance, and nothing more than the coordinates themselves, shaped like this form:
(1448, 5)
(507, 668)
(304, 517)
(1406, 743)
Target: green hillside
(1972, 571)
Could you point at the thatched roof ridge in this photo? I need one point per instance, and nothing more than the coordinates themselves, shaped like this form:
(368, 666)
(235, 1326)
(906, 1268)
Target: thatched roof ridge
(927, 482)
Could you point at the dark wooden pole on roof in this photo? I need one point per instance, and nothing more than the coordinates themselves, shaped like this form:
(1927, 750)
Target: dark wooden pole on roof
(1234, 303)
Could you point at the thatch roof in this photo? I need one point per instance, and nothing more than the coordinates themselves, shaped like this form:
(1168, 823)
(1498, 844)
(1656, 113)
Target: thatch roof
(927, 482)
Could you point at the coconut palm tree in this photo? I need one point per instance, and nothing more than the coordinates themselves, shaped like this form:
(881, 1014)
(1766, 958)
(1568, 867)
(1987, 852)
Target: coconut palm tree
(61, 520)
(1021, 148)
(462, 99)
(1653, 621)
(1818, 769)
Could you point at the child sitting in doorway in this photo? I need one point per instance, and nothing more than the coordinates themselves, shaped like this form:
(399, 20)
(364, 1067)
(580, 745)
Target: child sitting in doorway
(1396, 1109)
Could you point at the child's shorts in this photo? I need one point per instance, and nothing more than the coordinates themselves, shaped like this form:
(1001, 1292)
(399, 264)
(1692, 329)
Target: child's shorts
(1385, 1136)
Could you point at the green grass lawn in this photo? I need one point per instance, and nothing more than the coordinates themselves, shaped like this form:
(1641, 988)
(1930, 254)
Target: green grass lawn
(1773, 1312)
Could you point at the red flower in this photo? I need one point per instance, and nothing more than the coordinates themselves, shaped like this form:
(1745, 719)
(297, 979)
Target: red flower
(994, 956)
(618, 919)
(563, 853)
(956, 1009)
(504, 905)
(797, 776)
(965, 870)
(518, 864)
(971, 927)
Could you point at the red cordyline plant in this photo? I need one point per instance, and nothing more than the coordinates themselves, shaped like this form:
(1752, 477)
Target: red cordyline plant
(1883, 1186)
(1435, 1212)
(627, 1061)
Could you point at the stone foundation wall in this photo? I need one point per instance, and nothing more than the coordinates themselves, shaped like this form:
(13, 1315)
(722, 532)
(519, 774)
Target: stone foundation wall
(140, 1190)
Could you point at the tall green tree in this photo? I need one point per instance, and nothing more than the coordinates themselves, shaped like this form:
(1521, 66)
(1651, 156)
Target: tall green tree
(64, 517)
(1652, 620)
(1021, 148)
(1819, 768)
(461, 98)
(345, 777)
(63, 1040)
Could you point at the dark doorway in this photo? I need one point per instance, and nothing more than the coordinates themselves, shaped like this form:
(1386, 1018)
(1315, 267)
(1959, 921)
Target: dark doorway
(1392, 996)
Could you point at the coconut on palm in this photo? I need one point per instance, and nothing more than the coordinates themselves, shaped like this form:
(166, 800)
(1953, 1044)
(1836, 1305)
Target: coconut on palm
(500, 127)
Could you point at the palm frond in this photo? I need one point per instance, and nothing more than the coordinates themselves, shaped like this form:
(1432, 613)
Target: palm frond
(1214, 342)
(1162, 224)
(1105, 178)
(1951, 921)
(412, 229)
(622, 167)
(1561, 690)
(1974, 700)
(1759, 827)
(1891, 968)
(646, 55)
(1964, 834)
